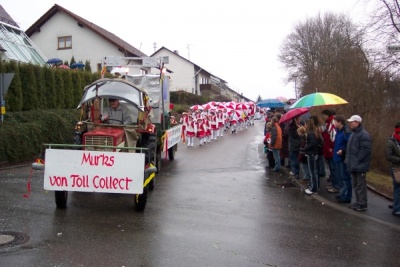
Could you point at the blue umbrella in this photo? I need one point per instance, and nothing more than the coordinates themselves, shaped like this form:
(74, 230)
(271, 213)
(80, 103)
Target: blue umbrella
(270, 103)
(77, 65)
(54, 61)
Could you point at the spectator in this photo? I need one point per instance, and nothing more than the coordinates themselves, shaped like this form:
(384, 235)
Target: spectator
(321, 172)
(312, 150)
(392, 154)
(358, 157)
(267, 143)
(339, 152)
(328, 134)
(276, 143)
(302, 159)
(294, 146)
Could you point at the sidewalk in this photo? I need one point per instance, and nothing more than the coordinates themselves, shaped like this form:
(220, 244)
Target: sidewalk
(377, 205)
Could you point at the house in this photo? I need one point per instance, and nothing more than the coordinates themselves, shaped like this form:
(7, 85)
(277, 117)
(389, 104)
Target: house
(15, 44)
(76, 38)
(192, 78)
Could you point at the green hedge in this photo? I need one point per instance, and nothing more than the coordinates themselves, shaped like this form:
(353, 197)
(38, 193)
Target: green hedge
(23, 133)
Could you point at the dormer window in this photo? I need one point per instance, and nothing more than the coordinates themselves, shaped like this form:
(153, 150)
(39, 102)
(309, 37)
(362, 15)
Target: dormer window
(65, 42)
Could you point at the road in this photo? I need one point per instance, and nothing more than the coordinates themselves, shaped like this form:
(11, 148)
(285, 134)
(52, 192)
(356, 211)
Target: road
(213, 205)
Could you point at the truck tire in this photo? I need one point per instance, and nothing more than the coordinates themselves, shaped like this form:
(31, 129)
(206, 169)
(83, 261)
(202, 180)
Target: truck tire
(171, 153)
(141, 200)
(149, 141)
(61, 199)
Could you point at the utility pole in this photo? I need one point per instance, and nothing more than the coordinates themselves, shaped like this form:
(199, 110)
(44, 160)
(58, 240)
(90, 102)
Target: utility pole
(155, 46)
(188, 48)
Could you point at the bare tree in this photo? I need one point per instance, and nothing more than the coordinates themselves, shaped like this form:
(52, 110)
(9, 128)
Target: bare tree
(320, 51)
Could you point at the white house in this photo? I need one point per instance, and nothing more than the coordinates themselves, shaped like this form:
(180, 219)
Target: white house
(190, 77)
(59, 33)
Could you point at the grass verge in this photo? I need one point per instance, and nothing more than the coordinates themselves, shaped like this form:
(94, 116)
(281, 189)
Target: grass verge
(381, 183)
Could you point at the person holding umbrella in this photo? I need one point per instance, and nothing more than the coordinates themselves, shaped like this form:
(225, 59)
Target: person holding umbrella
(294, 146)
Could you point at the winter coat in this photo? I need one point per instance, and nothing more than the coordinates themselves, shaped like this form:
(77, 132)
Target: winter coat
(392, 152)
(313, 144)
(358, 151)
(294, 138)
(276, 137)
(341, 139)
(329, 137)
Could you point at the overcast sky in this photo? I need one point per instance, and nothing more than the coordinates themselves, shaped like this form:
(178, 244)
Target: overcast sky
(235, 40)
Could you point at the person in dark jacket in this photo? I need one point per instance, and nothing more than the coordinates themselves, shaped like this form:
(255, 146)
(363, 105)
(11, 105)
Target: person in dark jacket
(392, 154)
(312, 149)
(294, 146)
(358, 158)
(339, 151)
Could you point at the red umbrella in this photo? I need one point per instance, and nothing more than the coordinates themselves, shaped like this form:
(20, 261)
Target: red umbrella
(293, 113)
(241, 106)
(231, 105)
(207, 106)
(66, 67)
(196, 107)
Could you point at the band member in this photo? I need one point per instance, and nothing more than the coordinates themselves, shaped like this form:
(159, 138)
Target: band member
(201, 131)
(208, 129)
(220, 121)
(184, 121)
(234, 121)
(213, 122)
(191, 130)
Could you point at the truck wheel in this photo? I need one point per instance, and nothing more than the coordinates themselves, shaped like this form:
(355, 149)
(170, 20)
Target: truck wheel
(171, 153)
(141, 200)
(61, 199)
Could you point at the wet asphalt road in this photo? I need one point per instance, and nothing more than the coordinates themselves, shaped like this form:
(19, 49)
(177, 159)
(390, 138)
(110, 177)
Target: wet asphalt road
(213, 206)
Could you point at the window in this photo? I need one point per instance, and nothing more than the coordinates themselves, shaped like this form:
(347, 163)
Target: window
(65, 42)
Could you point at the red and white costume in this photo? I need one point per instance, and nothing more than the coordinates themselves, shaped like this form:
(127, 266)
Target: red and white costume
(213, 122)
(201, 131)
(191, 130)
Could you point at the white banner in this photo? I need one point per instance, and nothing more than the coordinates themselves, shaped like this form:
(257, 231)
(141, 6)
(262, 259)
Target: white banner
(173, 136)
(94, 171)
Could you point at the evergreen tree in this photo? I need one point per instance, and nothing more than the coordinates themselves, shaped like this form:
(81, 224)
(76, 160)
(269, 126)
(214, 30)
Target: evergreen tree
(77, 86)
(14, 100)
(28, 85)
(87, 66)
(68, 90)
(40, 86)
(58, 77)
(50, 88)
(72, 61)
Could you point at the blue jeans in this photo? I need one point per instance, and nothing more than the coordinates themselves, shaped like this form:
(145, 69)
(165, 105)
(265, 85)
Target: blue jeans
(277, 157)
(294, 163)
(346, 190)
(304, 167)
(396, 194)
(336, 183)
(313, 169)
(321, 166)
